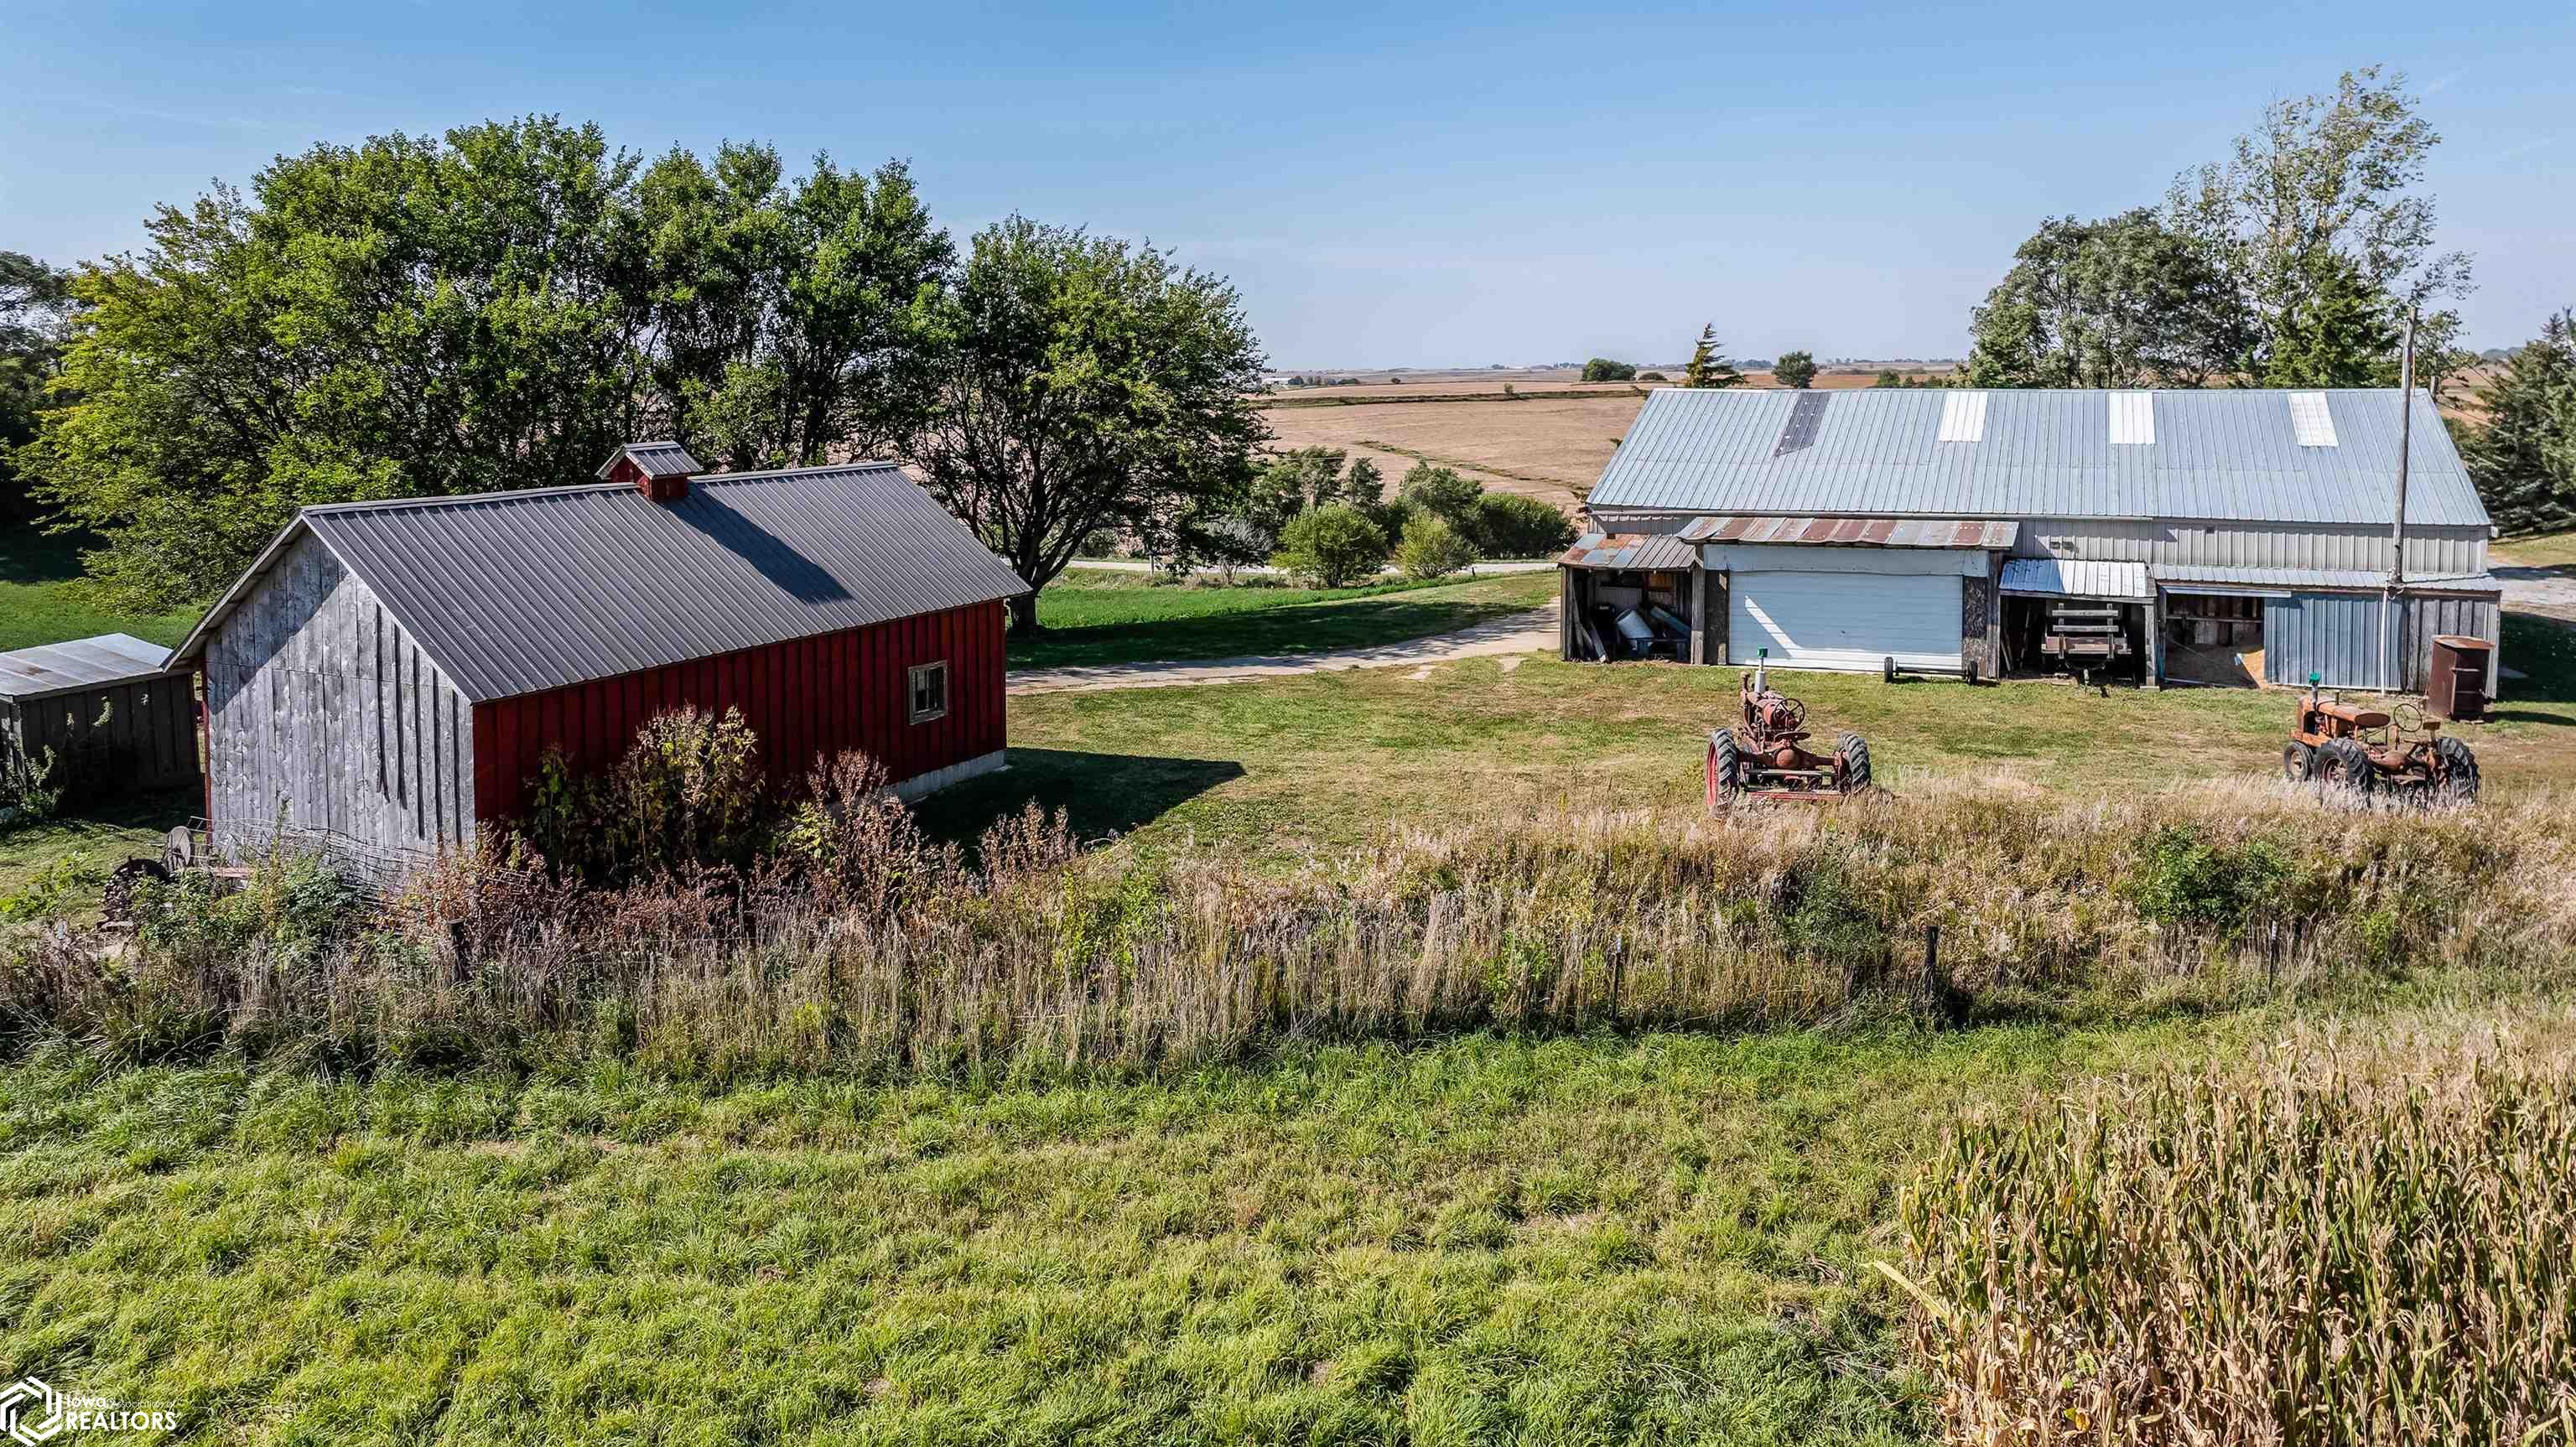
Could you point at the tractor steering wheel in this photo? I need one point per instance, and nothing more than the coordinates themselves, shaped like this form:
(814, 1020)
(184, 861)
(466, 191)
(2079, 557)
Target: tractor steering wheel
(2409, 717)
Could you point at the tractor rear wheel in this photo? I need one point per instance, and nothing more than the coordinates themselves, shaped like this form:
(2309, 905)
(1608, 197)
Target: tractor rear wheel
(2459, 781)
(2298, 762)
(1851, 763)
(2345, 765)
(1725, 768)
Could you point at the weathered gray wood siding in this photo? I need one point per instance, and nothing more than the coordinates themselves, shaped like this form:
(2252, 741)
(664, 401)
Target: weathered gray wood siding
(323, 715)
(112, 739)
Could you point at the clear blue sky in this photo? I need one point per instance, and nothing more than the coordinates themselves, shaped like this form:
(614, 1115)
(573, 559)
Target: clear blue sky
(1418, 183)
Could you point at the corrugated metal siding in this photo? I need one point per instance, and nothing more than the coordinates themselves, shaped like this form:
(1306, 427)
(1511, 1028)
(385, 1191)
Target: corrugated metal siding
(2317, 578)
(2077, 578)
(2429, 551)
(2336, 635)
(2216, 455)
(807, 698)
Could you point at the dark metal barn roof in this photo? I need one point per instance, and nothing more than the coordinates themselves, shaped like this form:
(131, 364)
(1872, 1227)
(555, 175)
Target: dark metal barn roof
(514, 593)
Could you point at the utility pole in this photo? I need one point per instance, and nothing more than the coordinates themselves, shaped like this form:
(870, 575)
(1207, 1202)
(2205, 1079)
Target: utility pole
(2392, 673)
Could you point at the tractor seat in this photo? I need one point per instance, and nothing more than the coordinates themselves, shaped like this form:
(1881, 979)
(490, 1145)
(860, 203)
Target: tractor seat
(2369, 720)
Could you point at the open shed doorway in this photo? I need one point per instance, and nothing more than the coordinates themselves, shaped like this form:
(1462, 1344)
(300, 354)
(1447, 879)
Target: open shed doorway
(2090, 640)
(2214, 640)
(1630, 613)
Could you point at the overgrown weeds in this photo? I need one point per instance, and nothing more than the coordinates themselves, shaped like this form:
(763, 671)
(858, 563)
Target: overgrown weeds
(2345, 1241)
(859, 946)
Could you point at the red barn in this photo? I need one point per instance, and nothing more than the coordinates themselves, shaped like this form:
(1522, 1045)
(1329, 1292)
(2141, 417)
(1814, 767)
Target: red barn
(388, 675)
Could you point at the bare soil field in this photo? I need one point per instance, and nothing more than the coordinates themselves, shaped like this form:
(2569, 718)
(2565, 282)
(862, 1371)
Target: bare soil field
(1548, 440)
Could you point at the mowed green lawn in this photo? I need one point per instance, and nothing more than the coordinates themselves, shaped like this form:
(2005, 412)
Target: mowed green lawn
(41, 599)
(1283, 766)
(1094, 616)
(1483, 1240)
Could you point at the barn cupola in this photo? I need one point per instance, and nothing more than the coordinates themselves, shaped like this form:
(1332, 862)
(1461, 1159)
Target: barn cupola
(659, 470)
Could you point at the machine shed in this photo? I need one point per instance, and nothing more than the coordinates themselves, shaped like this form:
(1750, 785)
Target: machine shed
(2213, 537)
(103, 715)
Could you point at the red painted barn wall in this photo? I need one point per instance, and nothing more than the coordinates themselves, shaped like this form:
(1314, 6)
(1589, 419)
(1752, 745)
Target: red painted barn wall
(809, 698)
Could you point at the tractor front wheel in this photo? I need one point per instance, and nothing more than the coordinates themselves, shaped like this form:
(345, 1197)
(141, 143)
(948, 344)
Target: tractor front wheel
(2298, 762)
(2344, 764)
(1851, 763)
(1725, 769)
(2458, 783)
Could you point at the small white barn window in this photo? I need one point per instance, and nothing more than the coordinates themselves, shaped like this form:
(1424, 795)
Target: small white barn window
(1963, 417)
(2312, 419)
(2133, 419)
(929, 691)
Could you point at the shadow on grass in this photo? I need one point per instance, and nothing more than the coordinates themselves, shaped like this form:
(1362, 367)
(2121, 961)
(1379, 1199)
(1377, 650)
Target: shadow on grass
(1101, 794)
(2543, 650)
(1268, 632)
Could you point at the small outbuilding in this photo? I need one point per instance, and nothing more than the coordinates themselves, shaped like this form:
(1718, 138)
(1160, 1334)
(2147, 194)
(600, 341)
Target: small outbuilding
(2220, 536)
(103, 716)
(388, 676)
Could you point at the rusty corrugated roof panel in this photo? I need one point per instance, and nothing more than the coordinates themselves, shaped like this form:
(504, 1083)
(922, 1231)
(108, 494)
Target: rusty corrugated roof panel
(513, 593)
(1629, 552)
(1856, 532)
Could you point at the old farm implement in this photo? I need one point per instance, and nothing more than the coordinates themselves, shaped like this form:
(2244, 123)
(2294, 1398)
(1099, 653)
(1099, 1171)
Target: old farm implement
(2332, 743)
(1764, 755)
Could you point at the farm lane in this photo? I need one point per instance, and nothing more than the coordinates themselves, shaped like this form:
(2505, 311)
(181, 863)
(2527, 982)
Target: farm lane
(1520, 633)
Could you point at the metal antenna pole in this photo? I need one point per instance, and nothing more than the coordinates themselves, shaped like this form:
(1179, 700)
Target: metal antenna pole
(2392, 673)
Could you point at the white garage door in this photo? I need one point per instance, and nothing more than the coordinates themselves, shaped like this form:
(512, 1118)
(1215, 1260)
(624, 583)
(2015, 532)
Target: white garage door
(1844, 620)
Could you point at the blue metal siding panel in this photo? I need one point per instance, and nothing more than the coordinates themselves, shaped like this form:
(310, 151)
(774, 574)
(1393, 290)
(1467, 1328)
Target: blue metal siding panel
(2335, 635)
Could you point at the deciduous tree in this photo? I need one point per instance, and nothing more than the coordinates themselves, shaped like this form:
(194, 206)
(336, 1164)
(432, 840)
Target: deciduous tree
(2127, 302)
(1795, 369)
(1085, 384)
(35, 308)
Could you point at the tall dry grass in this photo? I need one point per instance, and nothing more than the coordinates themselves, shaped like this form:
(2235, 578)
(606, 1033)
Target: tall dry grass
(2343, 1241)
(862, 947)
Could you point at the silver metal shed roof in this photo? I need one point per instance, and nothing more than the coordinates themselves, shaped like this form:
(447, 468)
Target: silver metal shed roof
(54, 668)
(2218, 454)
(513, 593)
(2182, 575)
(657, 459)
(2077, 578)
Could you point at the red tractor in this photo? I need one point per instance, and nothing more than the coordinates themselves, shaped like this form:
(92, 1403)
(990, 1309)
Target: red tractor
(1762, 757)
(2330, 744)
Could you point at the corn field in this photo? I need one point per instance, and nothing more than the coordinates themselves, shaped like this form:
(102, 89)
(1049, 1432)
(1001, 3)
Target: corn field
(2342, 1242)
(858, 946)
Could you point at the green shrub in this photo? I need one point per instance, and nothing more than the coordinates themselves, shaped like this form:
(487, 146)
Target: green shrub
(2182, 878)
(1337, 546)
(1602, 369)
(1432, 549)
(1508, 525)
(53, 886)
(1442, 492)
(689, 793)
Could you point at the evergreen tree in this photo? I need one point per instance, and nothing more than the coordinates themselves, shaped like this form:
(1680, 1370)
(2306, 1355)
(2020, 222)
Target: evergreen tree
(2524, 459)
(1708, 368)
(2335, 330)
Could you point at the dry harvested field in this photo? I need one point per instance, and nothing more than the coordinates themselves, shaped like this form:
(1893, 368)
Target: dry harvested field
(1550, 441)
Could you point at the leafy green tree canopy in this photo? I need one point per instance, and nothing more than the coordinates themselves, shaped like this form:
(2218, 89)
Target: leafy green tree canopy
(497, 308)
(1602, 369)
(2127, 302)
(1795, 369)
(1087, 384)
(35, 309)
(1336, 546)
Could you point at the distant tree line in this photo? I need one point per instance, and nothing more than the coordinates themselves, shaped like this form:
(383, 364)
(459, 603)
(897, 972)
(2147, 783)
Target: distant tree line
(501, 306)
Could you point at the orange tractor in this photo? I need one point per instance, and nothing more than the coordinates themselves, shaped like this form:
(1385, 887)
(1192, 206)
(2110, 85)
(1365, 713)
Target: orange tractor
(1761, 757)
(2331, 744)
